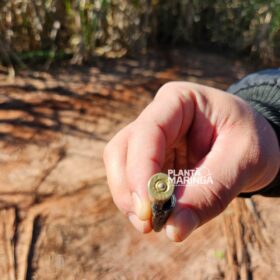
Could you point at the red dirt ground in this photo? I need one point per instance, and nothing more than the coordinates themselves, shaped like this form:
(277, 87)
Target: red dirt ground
(57, 217)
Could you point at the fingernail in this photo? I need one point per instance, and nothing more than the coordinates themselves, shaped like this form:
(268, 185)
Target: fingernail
(142, 226)
(181, 225)
(142, 207)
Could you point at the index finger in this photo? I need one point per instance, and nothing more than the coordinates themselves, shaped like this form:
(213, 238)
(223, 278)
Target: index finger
(158, 127)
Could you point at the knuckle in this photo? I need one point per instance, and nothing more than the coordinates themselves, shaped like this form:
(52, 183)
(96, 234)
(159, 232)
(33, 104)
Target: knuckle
(177, 89)
(216, 199)
(220, 201)
(167, 88)
(221, 195)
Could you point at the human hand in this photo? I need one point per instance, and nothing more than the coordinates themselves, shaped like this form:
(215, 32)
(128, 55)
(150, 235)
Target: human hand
(190, 126)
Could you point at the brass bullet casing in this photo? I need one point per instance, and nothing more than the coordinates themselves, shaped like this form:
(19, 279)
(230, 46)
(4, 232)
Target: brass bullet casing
(161, 193)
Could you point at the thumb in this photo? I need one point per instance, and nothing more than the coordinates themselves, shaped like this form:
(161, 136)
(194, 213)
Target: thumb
(206, 194)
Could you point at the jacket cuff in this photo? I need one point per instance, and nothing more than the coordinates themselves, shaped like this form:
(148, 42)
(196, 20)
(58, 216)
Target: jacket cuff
(262, 91)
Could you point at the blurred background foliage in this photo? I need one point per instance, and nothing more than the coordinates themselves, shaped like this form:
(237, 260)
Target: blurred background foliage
(35, 30)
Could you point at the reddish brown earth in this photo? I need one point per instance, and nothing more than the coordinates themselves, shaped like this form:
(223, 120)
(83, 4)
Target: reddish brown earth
(57, 217)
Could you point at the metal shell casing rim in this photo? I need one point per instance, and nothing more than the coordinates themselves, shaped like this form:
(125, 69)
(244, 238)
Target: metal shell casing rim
(157, 195)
